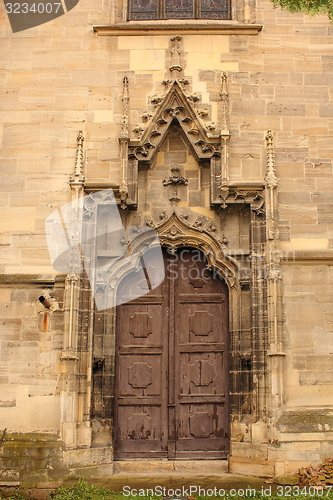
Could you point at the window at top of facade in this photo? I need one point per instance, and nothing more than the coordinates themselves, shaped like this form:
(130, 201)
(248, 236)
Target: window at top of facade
(179, 9)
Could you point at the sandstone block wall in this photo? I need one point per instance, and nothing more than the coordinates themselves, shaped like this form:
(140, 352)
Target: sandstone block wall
(62, 77)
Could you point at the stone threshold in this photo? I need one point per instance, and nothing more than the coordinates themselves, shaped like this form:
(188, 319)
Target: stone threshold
(158, 466)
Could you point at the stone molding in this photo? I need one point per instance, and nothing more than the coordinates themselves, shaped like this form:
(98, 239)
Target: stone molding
(307, 257)
(31, 279)
(145, 28)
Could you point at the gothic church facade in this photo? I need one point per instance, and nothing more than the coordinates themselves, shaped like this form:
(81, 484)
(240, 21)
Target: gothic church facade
(211, 122)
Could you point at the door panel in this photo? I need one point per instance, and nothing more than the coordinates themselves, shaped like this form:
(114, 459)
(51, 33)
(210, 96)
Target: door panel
(171, 383)
(200, 344)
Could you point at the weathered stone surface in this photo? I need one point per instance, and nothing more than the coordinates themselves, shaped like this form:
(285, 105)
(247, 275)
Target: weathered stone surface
(63, 77)
(288, 479)
(305, 421)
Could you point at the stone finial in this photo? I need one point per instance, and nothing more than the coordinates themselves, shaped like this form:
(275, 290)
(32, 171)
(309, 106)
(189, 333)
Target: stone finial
(125, 100)
(78, 177)
(224, 103)
(271, 180)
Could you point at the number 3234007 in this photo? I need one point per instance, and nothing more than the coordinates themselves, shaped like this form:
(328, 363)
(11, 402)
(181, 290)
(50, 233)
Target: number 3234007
(35, 8)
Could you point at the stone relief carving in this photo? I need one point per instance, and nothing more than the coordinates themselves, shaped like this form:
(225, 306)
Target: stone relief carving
(211, 227)
(155, 99)
(163, 216)
(274, 274)
(174, 198)
(149, 221)
(145, 117)
(199, 222)
(244, 277)
(224, 102)
(177, 106)
(175, 178)
(194, 98)
(202, 112)
(210, 126)
(138, 130)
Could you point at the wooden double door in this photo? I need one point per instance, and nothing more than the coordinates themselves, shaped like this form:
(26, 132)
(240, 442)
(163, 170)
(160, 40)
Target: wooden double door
(171, 378)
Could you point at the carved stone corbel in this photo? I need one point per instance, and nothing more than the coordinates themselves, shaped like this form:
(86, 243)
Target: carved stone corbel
(123, 193)
(175, 178)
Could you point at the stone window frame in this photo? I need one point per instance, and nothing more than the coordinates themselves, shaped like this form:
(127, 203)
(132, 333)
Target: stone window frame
(242, 21)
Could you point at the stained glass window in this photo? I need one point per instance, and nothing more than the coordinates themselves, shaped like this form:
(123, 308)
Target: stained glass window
(143, 9)
(214, 9)
(179, 9)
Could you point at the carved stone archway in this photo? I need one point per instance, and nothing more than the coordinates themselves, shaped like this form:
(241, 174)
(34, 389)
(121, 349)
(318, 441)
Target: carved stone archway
(209, 225)
(174, 232)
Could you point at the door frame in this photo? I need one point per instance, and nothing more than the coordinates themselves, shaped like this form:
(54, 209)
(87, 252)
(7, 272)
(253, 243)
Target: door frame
(171, 401)
(246, 291)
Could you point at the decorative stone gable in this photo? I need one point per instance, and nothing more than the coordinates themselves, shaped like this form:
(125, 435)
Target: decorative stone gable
(176, 107)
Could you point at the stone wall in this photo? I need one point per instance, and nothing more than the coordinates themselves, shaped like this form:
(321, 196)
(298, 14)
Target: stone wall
(63, 77)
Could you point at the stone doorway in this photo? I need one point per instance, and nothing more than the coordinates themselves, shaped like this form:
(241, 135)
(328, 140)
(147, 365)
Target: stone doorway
(171, 374)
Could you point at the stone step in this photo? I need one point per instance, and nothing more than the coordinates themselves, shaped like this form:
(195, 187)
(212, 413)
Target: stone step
(188, 466)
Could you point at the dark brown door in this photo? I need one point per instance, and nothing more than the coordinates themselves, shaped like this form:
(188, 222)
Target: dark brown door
(171, 380)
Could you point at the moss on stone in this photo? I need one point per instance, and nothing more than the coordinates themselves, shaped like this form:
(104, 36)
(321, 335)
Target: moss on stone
(305, 421)
(32, 457)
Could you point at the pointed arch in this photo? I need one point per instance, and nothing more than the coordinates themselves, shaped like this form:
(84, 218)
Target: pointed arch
(175, 233)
